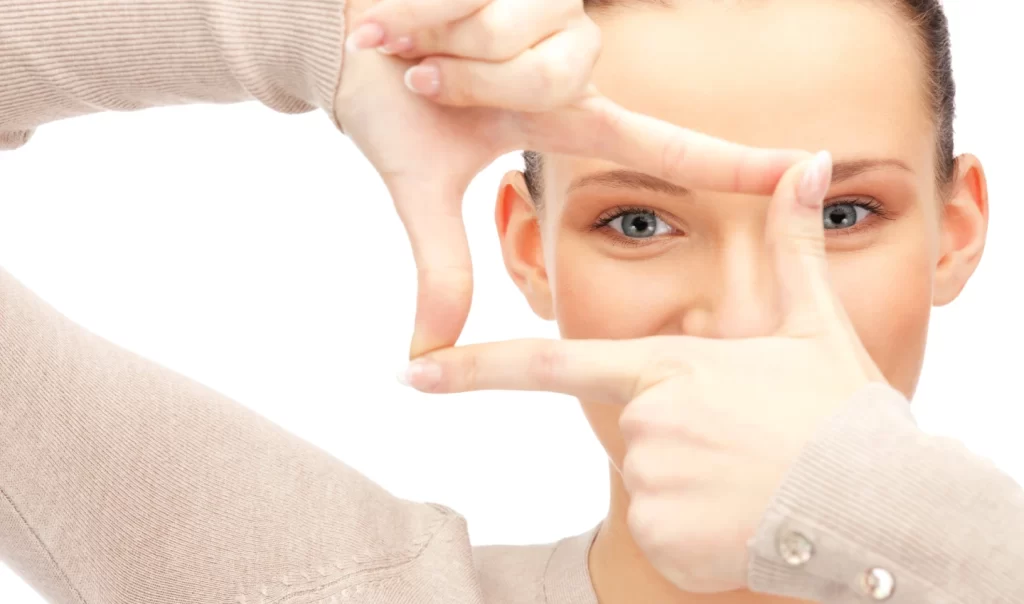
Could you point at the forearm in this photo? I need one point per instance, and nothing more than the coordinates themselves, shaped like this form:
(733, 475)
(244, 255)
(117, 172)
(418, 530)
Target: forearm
(873, 491)
(62, 58)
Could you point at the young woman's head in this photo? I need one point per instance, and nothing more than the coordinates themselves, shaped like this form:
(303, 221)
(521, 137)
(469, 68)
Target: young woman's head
(610, 253)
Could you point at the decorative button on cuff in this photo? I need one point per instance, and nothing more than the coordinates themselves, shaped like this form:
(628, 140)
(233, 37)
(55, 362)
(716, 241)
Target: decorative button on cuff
(795, 549)
(878, 583)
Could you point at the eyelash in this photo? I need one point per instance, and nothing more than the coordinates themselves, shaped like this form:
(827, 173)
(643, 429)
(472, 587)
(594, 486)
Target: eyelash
(611, 214)
(868, 203)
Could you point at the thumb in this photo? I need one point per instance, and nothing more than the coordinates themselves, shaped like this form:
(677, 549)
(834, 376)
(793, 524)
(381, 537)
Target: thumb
(432, 214)
(796, 235)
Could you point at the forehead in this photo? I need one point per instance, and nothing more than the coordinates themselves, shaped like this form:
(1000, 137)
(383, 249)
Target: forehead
(842, 75)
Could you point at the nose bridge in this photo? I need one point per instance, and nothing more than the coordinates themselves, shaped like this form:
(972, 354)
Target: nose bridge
(744, 303)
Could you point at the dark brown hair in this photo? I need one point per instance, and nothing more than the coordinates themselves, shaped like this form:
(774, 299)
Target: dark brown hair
(929, 21)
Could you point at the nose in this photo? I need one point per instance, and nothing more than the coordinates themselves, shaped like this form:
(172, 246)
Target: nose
(740, 298)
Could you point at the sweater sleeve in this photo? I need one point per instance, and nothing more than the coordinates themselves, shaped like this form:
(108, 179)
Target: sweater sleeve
(63, 58)
(123, 482)
(877, 510)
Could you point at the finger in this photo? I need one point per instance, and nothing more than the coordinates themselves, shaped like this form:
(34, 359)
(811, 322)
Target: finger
(433, 220)
(796, 234)
(598, 127)
(394, 21)
(551, 74)
(498, 32)
(598, 370)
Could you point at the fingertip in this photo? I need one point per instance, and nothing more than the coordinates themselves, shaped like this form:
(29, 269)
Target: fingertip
(424, 79)
(366, 35)
(423, 375)
(817, 176)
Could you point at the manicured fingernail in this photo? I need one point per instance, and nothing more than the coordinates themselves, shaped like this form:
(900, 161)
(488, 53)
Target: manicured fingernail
(423, 79)
(366, 35)
(421, 375)
(403, 44)
(816, 180)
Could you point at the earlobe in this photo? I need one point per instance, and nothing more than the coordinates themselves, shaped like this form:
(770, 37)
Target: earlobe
(518, 225)
(964, 230)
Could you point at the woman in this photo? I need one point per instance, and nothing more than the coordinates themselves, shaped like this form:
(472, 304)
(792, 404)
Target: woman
(180, 495)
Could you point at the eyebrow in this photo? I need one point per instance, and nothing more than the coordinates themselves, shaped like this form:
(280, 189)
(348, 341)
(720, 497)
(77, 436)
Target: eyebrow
(631, 179)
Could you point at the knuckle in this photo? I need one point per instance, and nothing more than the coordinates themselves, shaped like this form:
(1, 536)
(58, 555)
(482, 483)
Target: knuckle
(663, 367)
(549, 78)
(546, 363)
(666, 358)
(457, 83)
(637, 472)
(406, 13)
(648, 524)
(423, 43)
(674, 157)
(470, 370)
(442, 286)
(633, 422)
(640, 521)
(494, 39)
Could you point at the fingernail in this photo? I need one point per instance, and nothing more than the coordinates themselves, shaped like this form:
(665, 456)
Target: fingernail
(423, 79)
(366, 35)
(421, 375)
(816, 180)
(403, 44)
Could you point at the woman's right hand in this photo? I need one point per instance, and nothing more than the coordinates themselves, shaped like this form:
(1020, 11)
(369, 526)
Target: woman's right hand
(512, 74)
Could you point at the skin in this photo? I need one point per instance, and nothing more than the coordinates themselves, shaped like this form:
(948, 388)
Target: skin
(843, 76)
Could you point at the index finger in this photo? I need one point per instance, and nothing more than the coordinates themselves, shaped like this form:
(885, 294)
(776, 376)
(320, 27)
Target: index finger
(600, 370)
(598, 127)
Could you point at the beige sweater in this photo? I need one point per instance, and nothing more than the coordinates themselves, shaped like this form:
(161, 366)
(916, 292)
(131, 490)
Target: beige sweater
(123, 482)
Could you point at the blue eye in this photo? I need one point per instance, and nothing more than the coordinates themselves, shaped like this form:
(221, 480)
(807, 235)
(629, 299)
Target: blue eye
(639, 224)
(845, 215)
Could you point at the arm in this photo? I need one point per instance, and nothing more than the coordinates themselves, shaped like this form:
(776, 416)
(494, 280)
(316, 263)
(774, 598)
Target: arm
(122, 482)
(62, 58)
(872, 490)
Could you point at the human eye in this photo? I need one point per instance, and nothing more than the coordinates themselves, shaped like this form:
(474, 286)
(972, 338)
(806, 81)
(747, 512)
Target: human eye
(849, 214)
(634, 223)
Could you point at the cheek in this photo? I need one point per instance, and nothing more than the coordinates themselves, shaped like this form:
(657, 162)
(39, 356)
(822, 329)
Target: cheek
(889, 303)
(599, 297)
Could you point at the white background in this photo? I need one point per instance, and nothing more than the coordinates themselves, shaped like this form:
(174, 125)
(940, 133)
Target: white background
(259, 253)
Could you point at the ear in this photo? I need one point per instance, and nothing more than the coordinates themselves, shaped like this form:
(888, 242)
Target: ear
(518, 223)
(964, 229)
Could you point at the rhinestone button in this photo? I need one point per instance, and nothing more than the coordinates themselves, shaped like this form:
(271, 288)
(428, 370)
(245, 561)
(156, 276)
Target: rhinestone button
(878, 583)
(795, 548)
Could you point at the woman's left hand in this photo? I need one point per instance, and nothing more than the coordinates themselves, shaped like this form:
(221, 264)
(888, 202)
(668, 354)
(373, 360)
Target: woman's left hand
(711, 426)
(536, 94)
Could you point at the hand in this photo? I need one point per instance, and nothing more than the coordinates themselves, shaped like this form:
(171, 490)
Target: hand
(428, 149)
(711, 426)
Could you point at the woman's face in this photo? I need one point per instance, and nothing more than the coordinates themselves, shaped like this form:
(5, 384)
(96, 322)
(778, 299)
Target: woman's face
(616, 254)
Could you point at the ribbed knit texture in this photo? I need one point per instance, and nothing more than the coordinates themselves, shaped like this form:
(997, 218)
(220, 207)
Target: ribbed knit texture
(122, 482)
(873, 491)
(62, 58)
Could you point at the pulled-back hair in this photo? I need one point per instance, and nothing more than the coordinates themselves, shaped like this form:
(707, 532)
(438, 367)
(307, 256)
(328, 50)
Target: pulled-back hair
(932, 29)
